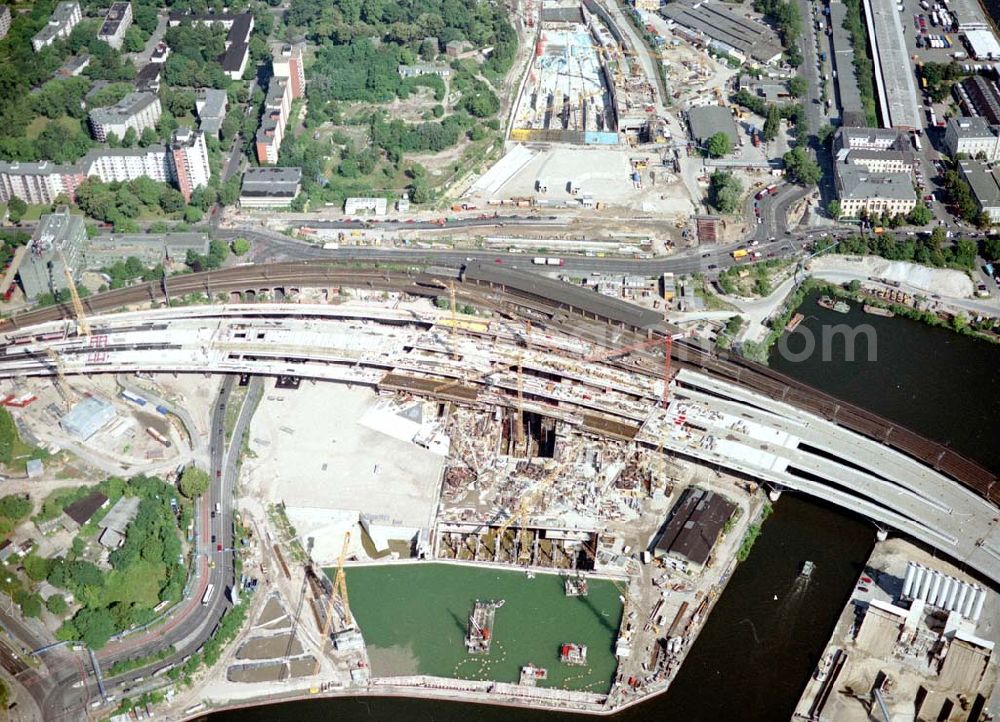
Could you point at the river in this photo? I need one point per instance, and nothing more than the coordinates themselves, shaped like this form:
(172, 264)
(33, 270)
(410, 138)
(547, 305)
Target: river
(753, 657)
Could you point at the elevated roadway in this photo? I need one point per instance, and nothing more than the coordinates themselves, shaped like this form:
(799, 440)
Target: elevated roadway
(723, 423)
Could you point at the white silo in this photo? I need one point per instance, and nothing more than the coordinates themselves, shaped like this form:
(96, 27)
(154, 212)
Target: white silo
(977, 611)
(962, 595)
(911, 570)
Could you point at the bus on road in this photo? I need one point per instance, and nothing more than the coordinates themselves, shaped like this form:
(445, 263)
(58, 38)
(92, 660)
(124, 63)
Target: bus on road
(208, 594)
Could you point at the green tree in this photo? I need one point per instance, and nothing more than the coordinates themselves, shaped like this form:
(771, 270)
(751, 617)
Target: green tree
(194, 482)
(16, 209)
(798, 86)
(833, 208)
(719, 145)
(134, 42)
(772, 124)
(800, 168)
(193, 214)
(15, 506)
(95, 626)
(724, 191)
(241, 246)
(147, 138)
(31, 604)
(921, 215)
(36, 567)
(57, 604)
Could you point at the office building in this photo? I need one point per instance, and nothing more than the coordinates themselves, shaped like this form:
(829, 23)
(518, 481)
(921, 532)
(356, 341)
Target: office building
(971, 136)
(286, 61)
(985, 186)
(58, 237)
(211, 106)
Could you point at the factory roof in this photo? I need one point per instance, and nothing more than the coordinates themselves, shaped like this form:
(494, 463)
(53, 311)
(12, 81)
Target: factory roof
(566, 294)
(81, 511)
(726, 27)
(855, 181)
(707, 120)
(982, 44)
(984, 182)
(694, 526)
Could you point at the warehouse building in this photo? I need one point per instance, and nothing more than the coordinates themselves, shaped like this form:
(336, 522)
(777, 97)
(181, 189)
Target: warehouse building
(708, 120)
(88, 417)
(726, 30)
(693, 527)
(985, 186)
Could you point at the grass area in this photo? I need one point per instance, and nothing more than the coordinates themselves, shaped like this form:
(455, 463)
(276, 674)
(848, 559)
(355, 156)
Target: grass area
(128, 665)
(39, 124)
(139, 584)
(233, 410)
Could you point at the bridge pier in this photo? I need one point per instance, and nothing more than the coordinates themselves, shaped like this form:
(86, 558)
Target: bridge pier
(774, 493)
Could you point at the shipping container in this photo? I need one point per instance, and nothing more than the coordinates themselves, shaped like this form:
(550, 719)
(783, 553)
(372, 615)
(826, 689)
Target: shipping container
(538, 261)
(554, 261)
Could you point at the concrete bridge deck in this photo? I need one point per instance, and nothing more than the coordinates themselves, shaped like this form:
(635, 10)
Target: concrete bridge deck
(708, 419)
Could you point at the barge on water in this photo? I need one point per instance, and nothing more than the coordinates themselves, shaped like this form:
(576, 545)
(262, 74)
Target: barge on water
(832, 305)
(530, 674)
(479, 635)
(576, 586)
(878, 311)
(794, 322)
(573, 654)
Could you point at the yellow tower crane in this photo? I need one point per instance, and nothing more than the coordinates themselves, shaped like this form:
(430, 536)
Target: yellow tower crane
(82, 327)
(339, 590)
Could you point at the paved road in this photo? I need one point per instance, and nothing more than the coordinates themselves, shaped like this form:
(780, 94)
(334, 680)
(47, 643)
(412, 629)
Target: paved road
(191, 626)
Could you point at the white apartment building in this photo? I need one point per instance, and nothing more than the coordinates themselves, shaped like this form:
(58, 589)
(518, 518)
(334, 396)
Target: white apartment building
(189, 161)
(125, 164)
(64, 18)
(139, 110)
(38, 183)
(272, 127)
(116, 22)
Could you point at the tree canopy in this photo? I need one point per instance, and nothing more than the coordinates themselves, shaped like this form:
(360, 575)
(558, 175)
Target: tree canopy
(719, 145)
(724, 191)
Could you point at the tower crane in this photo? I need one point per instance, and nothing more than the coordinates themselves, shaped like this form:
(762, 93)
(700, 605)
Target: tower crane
(666, 341)
(339, 590)
(82, 326)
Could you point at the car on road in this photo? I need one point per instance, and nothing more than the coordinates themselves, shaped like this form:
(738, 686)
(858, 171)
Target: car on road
(213, 538)
(706, 255)
(713, 266)
(218, 547)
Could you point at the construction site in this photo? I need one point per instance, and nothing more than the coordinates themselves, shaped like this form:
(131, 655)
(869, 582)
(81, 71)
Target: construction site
(584, 85)
(537, 456)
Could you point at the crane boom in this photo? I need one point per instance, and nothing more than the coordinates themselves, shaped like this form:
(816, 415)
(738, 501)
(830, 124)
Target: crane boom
(339, 589)
(82, 327)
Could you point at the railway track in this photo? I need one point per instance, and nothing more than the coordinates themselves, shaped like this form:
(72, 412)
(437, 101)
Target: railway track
(740, 371)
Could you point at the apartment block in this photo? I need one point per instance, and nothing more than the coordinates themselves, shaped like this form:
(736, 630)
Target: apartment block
(39, 183)
(277, 105)
(125, 164)
(139, 110)
(116, 22)
(64, 18)
(184, 163)
(972, 136)
(4, 20)
(189, 161)
(286, 61)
